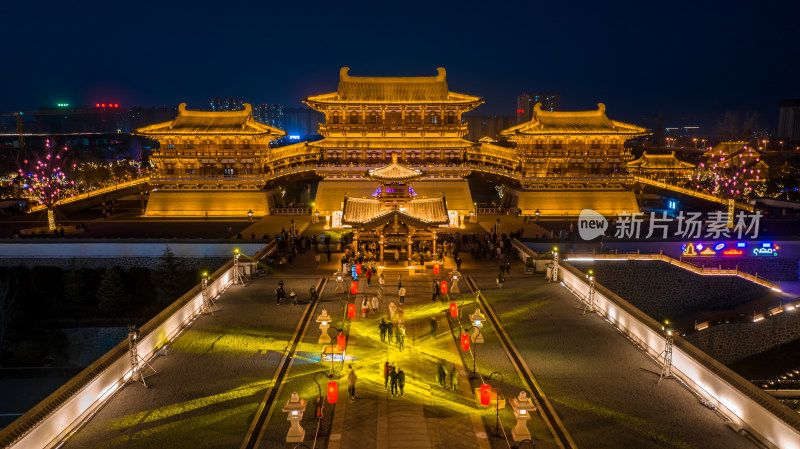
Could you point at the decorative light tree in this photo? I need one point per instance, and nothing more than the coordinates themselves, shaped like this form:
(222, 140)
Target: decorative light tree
(45, 181)
(733, 170)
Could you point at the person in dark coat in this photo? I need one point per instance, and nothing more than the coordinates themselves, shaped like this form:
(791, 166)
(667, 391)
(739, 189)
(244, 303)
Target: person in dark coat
(393, 381)
(440, 375)
(389, 331)
(383, 326)
(434, 326)
(401, 380)
(386, 370)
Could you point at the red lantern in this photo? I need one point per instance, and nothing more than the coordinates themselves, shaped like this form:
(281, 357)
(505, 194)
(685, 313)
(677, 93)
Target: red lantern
(353, 287)
(444, 287)
(358, 269)
(351, 311)
(341, 342)
(464, 342)
(486, 394)
(453, 310)
(333, 392)
(436, 271)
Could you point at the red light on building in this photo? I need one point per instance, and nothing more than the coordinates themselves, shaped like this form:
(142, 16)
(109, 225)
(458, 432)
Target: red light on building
(520, 111)
(464, 342)
(341, 342)
(436, 270)
(116, 105)
(453, 310)
(102, 105)
(97, 105)
(444, 287)
(333, 392)
(358, 269)
(353, 288)
(486, 394)
(351, 311)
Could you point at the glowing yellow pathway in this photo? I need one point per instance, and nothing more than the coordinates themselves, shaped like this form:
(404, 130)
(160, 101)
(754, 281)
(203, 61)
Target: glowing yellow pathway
(427, 415)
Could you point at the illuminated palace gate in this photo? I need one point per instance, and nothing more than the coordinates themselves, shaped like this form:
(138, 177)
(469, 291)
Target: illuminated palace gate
(394, 219)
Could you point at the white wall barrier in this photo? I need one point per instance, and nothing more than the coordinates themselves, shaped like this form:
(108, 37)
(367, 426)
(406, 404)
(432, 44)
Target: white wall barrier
(61, 413)
(773, 423)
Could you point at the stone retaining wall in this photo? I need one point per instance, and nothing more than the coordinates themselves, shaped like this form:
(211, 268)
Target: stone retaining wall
(122, 262)
(773, 269)
(729, 342)
(664, 291)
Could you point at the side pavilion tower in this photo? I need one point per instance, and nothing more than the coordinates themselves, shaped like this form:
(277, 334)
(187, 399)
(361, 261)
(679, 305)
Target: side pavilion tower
(210, 163)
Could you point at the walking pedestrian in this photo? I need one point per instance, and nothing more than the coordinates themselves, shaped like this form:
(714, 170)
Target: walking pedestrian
(389, 331)
(508, 268)
(458, 263)
(401, 336)
(396, 256)
(364, 306)
(445, 375)
(434, 325)
(453, 377)
(440, 375)
(328, 252)
(293, 298)
(382, 327)
(351, 383)
(401, 380)
(369, 277)
(435, 291)
(399, 282)
(374, 303)
(402, 294)
(500, 280)
(381, 281)
(386, 369)
(393, 381)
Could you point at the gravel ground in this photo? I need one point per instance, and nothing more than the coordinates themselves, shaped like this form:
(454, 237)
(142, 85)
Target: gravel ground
(602, 386)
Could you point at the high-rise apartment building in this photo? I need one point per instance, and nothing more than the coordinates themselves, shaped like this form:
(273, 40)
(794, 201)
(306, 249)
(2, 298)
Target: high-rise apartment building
(302, 122)
(525, 103)
(789, 120)
(270, 114)
(219, 104)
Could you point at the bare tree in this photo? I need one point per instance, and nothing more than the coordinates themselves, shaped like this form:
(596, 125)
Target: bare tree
(8, 308)
(732, 127)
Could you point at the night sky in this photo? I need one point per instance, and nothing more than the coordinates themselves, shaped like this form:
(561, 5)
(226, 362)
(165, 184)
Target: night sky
(689, 61)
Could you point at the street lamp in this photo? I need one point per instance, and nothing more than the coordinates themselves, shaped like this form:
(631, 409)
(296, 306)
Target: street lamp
(666, 368)
(465, 345)
(496, 401)
(555, 264)
(250, 215)
(537, 214)
(590, 296)
(332, 392)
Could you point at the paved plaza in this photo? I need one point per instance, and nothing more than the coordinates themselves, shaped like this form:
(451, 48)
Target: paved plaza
(213, 378)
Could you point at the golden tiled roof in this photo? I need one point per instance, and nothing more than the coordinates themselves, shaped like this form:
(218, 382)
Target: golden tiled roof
(364, 89)
(392, 143)
(211, 123)
(659, 161)
(365, 211)
(573, 122)
(394, 172)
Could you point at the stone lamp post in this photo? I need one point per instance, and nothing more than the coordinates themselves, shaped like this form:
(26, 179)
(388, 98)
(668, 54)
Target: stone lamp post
(454, 287)
(523, 407)
(324, 323)
(339, 287)
(477, 322)
(295, 407)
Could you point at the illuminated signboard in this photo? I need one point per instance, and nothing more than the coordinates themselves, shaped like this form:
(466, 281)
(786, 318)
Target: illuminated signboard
(732, 252)
(719, 246)
(708, 252)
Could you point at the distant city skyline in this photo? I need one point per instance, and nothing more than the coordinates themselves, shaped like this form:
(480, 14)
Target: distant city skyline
(642, 61)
